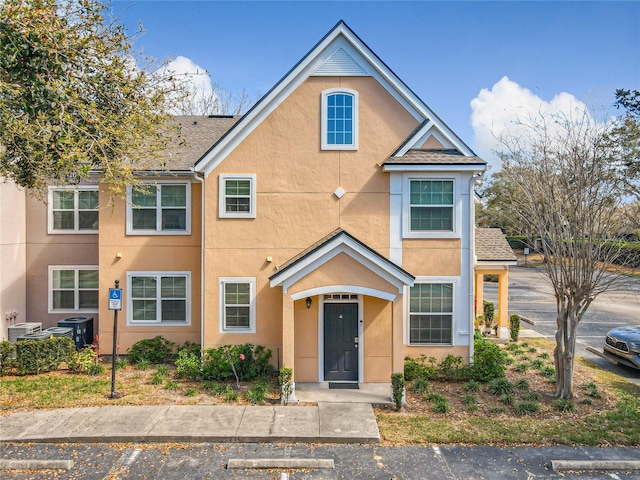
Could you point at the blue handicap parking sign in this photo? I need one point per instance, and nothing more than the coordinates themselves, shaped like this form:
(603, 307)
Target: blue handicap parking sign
(115, 299)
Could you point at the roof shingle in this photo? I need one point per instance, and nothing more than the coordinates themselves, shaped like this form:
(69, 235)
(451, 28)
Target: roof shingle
(492, 246)
(434, 157)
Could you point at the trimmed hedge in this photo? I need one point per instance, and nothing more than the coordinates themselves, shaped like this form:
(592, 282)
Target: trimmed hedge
(38, 356)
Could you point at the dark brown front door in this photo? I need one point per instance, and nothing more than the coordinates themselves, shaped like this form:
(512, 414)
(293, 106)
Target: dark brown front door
(340, 335)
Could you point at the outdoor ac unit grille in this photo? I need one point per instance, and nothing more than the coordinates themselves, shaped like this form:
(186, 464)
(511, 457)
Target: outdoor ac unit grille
(20, 329)
(60, 332)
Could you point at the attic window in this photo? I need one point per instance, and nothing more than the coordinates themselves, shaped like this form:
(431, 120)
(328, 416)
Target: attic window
(339, 119)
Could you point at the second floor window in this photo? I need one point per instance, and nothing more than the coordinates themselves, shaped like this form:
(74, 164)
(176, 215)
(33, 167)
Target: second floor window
(73, 210)
(237, 196)
(162, 208)
(339, 120)
(431, 205)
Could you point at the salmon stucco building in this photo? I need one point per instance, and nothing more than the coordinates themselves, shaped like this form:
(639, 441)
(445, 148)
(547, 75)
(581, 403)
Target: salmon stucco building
(333, 223)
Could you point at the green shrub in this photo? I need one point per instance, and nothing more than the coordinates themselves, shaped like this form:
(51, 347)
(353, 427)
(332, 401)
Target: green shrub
(452, 368)
(157, 379)
(591, 389)
(191, 347)
(83, 360)
(532, 350)
(7, 357)
(524, 408)
(587, 401)
(155, 350)
(514, 327)
(231, 396)
(548, 372)
(143, 364)
(257, 394)
(171, 385)
(500, 386)
(533, 397)
(537, 364)
(489, 310)
(522, 384)
(435, 397)
(508, 399)
(496, 410)
(564, 406)
(420, 385)
(191, 392)
(522, 367)
(471, 386)
(544, 356)
(489, 361)
(249, 361)
(441, 406)
(96, 369)
(470, 401)
(397, 388)
(38, 356)
(188, 365)
(420, 367)
(121, 363)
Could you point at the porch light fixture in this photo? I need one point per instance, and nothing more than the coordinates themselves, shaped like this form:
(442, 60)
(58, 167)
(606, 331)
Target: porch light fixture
(308, 302)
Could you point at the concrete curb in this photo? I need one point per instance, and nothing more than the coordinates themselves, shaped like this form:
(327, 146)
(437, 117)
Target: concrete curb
(559, 465)
(254, 463)
(36, 464)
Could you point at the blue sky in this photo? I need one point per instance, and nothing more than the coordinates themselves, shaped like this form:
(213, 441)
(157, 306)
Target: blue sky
(453, 55)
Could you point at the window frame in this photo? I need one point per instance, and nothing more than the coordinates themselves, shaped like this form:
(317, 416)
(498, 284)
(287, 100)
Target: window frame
(158, 184)
(407, 231)
(76, 288)
(325, 118)
(76, 210)
(158, 321)
(252, 305)
(454, 282)
(222, 182)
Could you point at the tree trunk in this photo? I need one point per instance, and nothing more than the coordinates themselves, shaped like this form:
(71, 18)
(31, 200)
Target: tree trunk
(564, 353)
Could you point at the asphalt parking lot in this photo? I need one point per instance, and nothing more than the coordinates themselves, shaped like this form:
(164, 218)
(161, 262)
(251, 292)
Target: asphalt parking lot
(530, 296)
(210, 461)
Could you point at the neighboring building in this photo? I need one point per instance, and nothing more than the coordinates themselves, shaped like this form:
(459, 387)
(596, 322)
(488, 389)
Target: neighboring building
(333, 223)
(13, 302)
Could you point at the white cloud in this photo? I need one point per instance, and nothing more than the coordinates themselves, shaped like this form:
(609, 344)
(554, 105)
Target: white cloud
(496, 112)
(200, 85)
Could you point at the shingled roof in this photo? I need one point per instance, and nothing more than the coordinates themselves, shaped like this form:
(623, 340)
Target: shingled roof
(492, 246)
(199, 134)
(434, 157)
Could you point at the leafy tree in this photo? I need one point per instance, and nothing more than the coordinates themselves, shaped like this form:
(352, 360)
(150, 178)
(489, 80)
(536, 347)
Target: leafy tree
(564, 187)
(73, 98)
(495, 212)
(625, 136)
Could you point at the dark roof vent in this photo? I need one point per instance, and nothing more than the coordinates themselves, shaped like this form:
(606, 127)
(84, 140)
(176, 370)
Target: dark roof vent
(195, 122)
(220, 116)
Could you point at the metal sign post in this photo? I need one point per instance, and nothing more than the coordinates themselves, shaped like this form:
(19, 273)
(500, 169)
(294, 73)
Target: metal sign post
(115, 304)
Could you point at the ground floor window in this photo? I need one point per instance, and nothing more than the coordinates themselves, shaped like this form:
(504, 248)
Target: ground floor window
(159, 298)
(431, 313)
(73, 288)
(237, 304)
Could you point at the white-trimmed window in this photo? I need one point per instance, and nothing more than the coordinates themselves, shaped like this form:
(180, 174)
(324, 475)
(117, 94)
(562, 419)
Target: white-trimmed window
(160, 208)
(238, 304)
(159, 298)
(339, 119)
(73, 288)
(73, 209)
(431, 205)
(237, 196)
(431, 314)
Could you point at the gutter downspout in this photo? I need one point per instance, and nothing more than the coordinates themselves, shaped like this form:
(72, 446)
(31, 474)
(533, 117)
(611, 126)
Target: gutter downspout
(202, 223)
(472, 261)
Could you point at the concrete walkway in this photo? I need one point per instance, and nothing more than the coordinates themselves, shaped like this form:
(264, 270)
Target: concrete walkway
(324, 423)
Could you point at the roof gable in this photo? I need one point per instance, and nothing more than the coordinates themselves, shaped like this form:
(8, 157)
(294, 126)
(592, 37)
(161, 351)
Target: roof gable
(339, 52)
(339, 241)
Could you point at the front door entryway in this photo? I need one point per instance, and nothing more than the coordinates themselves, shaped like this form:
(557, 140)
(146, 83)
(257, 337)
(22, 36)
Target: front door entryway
(341, 341)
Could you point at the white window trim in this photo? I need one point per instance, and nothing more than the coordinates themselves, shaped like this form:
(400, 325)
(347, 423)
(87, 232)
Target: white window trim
(324, 144)
(406, 210)
(455, 281)
(222, 213)
(76, 268)
(158, 323)
(76, 230)
(252, 305)
(158, 230)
